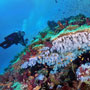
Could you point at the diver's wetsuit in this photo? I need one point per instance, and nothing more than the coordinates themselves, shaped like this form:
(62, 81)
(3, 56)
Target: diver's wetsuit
(13, 38)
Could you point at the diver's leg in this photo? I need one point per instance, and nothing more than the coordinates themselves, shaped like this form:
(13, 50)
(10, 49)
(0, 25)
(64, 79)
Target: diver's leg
(5, 44)
(9, 43)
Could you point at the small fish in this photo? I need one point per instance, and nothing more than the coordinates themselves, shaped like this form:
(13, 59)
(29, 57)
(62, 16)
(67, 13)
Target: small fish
(58, 62)
(39, 57)
(71, 60)
(79, 56)
(82, 59)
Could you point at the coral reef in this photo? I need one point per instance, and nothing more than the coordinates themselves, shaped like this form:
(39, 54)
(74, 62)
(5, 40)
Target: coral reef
(57, 59)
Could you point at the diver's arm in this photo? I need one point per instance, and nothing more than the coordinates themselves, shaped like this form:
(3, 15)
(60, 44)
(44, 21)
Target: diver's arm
(22, 41)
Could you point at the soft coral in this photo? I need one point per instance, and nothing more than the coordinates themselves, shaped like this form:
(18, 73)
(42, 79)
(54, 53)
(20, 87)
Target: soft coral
(26, 56)
(33, 51)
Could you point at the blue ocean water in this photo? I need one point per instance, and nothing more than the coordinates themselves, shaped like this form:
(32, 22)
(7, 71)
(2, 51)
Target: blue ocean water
(31, 16)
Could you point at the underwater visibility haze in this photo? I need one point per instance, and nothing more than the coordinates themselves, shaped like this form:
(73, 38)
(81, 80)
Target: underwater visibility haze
(44, 44)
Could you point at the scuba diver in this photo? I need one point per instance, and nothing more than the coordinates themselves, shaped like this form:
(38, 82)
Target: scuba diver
(14, 38)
